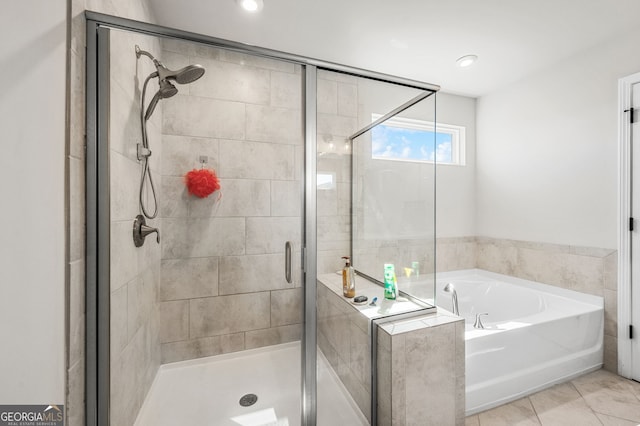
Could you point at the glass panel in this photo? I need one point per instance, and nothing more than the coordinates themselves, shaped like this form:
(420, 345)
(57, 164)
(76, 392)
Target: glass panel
(345, 105)
(394, 198)
(205, 313)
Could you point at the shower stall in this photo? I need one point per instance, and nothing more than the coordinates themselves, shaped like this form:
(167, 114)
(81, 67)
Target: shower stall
(217, 313)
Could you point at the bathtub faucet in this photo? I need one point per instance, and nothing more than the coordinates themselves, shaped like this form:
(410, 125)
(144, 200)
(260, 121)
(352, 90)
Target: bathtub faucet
(478, 323)
(449, 288)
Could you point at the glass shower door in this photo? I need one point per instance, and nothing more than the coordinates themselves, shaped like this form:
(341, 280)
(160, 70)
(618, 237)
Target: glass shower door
(206, 318)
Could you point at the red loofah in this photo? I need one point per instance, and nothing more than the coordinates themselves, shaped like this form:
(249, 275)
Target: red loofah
(202, 182)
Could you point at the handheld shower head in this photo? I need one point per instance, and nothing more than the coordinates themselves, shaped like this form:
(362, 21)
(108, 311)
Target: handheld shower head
(165, 91)
(449, 288)
(185, 75)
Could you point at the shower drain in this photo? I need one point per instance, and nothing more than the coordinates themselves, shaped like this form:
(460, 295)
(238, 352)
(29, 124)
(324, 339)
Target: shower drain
(248, 400)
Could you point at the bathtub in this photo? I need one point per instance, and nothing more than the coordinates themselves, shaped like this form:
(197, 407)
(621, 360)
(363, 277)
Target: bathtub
(535, 335)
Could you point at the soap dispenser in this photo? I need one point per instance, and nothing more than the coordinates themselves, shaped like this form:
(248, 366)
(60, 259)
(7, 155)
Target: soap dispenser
(348, 279)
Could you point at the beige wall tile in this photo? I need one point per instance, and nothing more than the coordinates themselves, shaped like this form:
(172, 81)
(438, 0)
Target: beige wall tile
(124, 255)
(181, 154)
(76, 209)
(174, 200)
(611, 271)
(327, 94)
(240, 197)
(77, 318)
(75, 395)
(198, 348)
(203, 117)
(347, 100)
(273, 336)
(271, 124)
(336, 125)
(286, 198)
(174, 321)
(398, 379)
(256, 160)
(611, 313)
(610, 353)
(214, 316)
(189, 278)
(286, 90)
(202, 237)
(269, 234)
(286, 307)
(118, 320)
(232, 82)
(428, 358)
(247, 274)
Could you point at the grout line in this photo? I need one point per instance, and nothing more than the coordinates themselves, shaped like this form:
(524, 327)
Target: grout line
(533, 407)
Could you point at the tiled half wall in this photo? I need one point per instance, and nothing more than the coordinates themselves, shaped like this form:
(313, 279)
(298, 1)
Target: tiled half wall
(585, 269)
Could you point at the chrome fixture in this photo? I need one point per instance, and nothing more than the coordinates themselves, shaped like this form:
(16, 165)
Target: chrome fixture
(166, 89)
(478, 323)
(141, 230)
(449, 288)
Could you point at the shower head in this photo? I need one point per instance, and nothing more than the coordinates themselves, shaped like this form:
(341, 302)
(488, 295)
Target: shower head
(185, 75)
(449, 288)
(166, 90)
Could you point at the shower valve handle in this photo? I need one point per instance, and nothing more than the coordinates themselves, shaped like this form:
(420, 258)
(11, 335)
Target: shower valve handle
(141, 230)
(146, 230)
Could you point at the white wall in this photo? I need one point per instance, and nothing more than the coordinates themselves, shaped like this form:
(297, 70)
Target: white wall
(456, 185)
(32, 184)
(547, 151)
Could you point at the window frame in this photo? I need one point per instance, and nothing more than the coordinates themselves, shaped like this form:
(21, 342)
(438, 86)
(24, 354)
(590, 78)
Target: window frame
(457, 133)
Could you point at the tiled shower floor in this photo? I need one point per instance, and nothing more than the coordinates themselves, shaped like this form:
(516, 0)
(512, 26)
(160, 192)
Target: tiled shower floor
(598, 398)
(207, 391)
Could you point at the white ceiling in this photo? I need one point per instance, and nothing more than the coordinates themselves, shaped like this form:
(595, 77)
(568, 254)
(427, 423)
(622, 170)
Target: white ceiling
(418, 39)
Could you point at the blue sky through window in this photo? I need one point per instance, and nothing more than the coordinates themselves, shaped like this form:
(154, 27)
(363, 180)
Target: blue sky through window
(398, 143)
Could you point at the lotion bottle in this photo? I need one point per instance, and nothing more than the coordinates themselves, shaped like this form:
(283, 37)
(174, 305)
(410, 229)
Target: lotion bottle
(348, 279)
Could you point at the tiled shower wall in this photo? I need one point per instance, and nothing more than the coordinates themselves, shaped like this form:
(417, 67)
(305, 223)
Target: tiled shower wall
(139, 10)
(585, 269)
(337, 120)
(135, 278)
(223, 287)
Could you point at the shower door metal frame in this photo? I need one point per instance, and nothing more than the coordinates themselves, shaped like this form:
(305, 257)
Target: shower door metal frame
(97, 376)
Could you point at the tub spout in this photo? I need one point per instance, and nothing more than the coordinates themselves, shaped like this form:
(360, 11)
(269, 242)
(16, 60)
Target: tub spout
(478, 323)
(449, 288)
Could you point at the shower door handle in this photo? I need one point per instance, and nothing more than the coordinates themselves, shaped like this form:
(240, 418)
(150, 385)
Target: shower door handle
(287, 261)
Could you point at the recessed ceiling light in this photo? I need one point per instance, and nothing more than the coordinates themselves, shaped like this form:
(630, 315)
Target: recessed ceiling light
(466, 61)
(251, 5)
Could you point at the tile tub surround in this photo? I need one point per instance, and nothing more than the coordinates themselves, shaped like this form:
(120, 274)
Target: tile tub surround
(421, 371)
(222, 285)
(584, 269)
(343, 337)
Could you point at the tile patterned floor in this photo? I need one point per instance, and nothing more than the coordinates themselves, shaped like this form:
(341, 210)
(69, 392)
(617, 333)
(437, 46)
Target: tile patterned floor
(598, 398)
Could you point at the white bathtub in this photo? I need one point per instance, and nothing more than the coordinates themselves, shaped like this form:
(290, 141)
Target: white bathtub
(535, 335)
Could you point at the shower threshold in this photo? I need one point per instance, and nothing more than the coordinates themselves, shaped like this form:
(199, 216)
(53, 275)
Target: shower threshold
(207, 391)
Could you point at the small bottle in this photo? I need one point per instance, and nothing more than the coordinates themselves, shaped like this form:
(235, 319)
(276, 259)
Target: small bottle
(390, 282)
(348, 279)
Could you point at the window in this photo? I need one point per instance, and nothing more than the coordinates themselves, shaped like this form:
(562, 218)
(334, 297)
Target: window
(404, 139)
